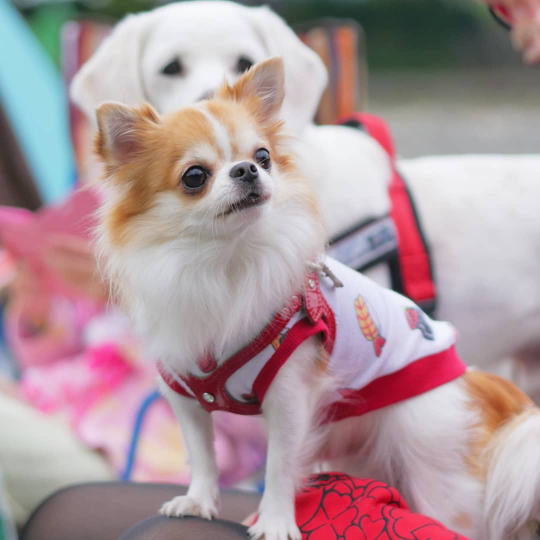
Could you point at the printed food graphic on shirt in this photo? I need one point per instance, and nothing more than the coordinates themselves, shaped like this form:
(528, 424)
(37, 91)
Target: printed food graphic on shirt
(417, 320)
(278, 340)
(367, 325)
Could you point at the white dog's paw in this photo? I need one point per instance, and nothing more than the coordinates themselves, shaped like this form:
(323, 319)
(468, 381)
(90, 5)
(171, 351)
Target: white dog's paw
(190, 506)
(274, 529)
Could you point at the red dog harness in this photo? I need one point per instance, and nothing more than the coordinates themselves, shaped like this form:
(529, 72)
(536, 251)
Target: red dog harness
(210, 390)
(396, 239)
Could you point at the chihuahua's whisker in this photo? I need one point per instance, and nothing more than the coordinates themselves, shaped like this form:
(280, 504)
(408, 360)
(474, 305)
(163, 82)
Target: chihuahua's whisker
(181, 234)
(201, 227)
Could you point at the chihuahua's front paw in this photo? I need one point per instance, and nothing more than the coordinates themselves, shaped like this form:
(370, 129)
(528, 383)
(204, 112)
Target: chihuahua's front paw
(274, 529)
(185, 505)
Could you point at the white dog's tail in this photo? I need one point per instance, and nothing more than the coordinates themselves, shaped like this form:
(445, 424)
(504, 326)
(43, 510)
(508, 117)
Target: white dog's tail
(513, 480)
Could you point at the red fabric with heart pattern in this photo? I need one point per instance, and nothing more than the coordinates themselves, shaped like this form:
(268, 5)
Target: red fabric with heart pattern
(335, 506)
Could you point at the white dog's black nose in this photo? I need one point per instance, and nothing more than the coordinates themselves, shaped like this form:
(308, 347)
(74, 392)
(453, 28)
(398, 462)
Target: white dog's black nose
(244, 172)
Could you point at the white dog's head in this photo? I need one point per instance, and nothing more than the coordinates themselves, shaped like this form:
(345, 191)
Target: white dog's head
(180, 53)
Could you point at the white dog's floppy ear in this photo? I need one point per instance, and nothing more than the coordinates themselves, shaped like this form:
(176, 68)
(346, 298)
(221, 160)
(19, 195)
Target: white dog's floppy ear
(305, 74)
(113, 73)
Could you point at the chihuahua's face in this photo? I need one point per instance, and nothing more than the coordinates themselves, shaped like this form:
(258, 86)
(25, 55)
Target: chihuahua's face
(203, 210)
(207, 170)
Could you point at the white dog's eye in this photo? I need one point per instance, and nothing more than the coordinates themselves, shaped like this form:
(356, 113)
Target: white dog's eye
(243, 64)
(173, 68)
(263, 157)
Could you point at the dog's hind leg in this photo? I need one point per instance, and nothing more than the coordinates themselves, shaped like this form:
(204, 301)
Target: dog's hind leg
(419, 446)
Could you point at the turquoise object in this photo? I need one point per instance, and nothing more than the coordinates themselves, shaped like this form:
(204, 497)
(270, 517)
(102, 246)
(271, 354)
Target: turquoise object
(33, 96)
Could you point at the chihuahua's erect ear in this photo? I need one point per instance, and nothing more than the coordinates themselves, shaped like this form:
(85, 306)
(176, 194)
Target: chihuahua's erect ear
(264, 84)
(305, 74)
(119, 131)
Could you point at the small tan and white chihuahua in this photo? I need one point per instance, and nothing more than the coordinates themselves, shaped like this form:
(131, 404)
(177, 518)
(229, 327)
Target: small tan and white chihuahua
(213, 242)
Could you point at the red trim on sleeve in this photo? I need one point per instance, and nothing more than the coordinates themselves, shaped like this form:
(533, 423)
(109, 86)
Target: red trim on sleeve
(418, 377)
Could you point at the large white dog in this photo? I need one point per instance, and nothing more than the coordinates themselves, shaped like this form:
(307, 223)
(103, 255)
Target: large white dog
(480, 214)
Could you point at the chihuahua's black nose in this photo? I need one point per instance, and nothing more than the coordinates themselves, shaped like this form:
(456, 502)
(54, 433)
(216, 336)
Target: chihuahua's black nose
(244, 172)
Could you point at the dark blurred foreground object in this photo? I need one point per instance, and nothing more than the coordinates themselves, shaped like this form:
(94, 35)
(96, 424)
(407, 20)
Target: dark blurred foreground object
(332, 506)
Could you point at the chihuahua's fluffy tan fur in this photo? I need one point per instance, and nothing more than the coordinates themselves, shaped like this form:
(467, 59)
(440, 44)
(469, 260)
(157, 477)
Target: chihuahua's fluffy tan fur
(202, 267)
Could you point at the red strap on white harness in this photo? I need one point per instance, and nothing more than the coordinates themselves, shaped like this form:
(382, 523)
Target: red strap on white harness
(413, 257)
(211, 391)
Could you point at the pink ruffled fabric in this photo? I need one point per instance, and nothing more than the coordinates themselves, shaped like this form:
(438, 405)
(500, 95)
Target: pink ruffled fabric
(60, 338)
(100, 390)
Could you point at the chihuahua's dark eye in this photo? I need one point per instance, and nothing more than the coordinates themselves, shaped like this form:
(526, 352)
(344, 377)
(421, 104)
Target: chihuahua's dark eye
(195, 177)
(173, 68)
(263, 157)
(243, 64)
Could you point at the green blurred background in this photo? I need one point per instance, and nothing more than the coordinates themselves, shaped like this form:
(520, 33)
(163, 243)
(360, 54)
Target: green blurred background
(400, 33)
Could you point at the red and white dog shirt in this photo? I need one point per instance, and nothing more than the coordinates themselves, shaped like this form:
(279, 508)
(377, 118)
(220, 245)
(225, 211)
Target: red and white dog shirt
(381, 347)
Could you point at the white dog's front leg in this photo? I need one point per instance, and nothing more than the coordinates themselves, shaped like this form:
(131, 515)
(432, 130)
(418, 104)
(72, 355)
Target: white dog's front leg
(288, 410)
(202, 498)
